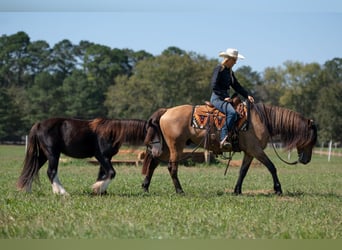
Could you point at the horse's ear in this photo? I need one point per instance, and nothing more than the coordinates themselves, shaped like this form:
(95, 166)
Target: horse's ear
(236, 100)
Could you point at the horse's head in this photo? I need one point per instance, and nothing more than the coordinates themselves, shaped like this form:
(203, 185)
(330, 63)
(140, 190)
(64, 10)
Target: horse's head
(305, 150)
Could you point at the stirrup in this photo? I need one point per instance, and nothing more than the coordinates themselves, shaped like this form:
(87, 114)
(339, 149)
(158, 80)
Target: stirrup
(224, 140)
(225, 145)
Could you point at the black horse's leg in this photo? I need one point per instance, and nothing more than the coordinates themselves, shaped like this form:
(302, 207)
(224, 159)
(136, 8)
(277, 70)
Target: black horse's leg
(52, 173)
(173, 170)
(246, 162)
(105, 176)
(263, 158)
(147, 181)
(102, 173)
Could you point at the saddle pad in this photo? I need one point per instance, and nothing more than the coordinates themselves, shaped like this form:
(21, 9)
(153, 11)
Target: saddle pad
(203, 114)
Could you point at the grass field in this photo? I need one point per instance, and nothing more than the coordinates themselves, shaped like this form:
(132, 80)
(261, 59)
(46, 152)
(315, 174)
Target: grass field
(309, 209)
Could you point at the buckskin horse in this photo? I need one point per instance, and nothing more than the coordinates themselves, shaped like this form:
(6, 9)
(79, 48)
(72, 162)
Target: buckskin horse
(76, 138)
(265, 121)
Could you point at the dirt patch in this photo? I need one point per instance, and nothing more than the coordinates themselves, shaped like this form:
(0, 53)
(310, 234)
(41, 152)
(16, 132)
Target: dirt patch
(238, 163)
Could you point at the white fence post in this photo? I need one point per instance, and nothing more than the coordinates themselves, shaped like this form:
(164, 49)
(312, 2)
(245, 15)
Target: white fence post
(329, 153)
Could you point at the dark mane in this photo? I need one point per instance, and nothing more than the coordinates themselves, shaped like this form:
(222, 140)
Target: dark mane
(132, 131)
(293, 128)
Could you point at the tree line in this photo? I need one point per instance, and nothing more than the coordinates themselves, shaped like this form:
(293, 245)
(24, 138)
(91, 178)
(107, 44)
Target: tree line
(89, 80)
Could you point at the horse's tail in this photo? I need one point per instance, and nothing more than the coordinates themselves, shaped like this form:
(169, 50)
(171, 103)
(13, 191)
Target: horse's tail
(150, 162)
(31, 162)
(147, 162)
(153, 131)
(153, 126)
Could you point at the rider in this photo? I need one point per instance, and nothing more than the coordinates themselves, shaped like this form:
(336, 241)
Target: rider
(223, 77)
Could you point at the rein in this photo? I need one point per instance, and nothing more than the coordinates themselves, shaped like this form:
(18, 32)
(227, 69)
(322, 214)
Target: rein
(286, 162)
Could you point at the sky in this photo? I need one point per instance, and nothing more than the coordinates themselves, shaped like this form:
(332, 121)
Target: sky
(268, 33)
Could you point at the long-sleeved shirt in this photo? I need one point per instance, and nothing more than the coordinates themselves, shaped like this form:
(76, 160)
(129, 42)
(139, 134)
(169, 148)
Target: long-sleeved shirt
(221, 81)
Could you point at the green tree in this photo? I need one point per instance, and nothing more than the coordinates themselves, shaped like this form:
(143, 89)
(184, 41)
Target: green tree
(302, 86)
(11, 125)
(273, 86)
(172, 50)
(81, 97)
(13, 59)
(43, 98)
(329, 113)
(39, 57)
(104, 64)
(250, 80)
(332, 71)
(135, 57)
(63, 59)
(164, 81)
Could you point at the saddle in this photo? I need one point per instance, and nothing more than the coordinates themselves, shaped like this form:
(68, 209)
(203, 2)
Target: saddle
(209, 118)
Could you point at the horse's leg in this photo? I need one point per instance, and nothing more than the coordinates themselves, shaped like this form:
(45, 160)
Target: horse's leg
(147, 181)
(246, 162)
(105, 176)
(173, 170)
(263, 158)
(52, 173)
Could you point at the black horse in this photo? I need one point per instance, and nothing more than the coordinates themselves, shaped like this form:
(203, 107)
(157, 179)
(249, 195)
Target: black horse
(101, 138)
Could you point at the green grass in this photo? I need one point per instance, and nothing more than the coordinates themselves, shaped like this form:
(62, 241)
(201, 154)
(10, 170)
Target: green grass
(309, 209)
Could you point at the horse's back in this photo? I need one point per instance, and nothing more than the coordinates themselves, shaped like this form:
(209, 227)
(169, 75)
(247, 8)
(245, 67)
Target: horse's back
(176, 112)
(66, 128)
(72, 137)
(178, 115)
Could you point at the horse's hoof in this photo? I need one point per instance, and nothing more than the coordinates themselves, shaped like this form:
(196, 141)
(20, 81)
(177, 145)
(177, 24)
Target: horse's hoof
(103, 193)
(237, 191)
(144, 187)
(279, 192)
(180, 191)
(96, 193)
(277, 189)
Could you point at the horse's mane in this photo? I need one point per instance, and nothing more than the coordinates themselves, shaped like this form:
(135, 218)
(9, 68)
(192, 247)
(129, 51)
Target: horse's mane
(293, 128)
(131, 131)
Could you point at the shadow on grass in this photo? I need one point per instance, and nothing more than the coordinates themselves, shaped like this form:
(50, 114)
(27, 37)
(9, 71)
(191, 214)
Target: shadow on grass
(290, 194)
(246, 193)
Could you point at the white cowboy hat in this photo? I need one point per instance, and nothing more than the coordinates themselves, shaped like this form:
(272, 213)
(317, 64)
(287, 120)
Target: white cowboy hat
(231, 53)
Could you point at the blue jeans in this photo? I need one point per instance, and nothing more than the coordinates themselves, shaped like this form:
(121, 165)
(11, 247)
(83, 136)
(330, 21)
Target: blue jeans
(228, 110)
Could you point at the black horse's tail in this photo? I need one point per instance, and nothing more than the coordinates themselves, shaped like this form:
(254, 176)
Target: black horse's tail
(31, 162)
(153, 129)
